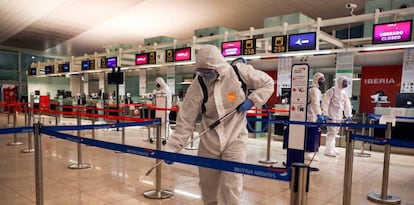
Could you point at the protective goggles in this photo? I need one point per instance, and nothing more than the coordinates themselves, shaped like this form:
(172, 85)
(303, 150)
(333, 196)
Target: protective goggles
(206, 73)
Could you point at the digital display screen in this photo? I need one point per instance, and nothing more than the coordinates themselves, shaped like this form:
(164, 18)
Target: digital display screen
(152, 57)
(141, 59)
(392, 32)
(49, 69)
(279, 44)
(111, 62)
(64, 67)
(32, 71)
(183, 54)
(116, 78)
(302, 41)
(169, 55)
(249, 47)
(85, 65)
(231, 48)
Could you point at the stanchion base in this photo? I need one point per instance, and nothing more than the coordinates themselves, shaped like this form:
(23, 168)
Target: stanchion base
(191, 148)
(361, 154)
(163, 194)
(28, 150)
(79, 166)
(15, 143)
(267, 161)
(376, 197)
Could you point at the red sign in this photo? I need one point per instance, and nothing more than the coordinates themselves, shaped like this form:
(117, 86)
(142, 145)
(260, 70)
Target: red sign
(44, 102)
(379, 85)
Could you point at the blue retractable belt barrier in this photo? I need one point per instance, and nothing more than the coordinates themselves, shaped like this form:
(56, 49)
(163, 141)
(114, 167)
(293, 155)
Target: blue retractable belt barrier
(102, 126)
(383, 141)
(16, 130)
(280, 173)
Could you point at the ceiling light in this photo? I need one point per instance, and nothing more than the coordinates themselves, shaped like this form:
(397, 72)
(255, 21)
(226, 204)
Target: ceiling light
(388, 47)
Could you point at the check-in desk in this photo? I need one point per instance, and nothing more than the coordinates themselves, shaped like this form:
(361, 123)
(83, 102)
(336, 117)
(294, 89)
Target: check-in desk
(281, 113)
(404, 125)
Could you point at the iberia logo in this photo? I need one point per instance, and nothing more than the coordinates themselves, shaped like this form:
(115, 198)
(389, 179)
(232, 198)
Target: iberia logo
(231, 96)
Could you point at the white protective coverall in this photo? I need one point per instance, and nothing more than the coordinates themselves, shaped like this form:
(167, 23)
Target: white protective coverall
(334, 105)
(164, 89)
(227, 141)
(313, 110)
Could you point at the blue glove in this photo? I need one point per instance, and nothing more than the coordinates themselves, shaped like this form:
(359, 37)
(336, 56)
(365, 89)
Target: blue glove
(349, 119)
(168, 162)
(320, 118)
(245, 105)
(325, 118)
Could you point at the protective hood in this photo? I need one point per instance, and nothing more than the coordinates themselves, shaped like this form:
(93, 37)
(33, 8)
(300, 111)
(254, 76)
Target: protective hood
(161, 81)
(316, 78)
(209, 57)
(340, 82)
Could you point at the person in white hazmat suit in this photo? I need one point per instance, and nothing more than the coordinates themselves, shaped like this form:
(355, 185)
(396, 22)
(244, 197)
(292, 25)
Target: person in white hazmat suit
(164, 89)
(314, 114)
(228, 140)
(335, 105)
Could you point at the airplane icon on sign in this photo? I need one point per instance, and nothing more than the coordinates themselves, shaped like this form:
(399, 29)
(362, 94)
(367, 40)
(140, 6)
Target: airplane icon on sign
(300, 42)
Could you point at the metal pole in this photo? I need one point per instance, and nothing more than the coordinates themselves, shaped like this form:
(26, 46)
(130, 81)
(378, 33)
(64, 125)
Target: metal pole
(158, 193)
(79, 165)
(15, 142)
(299, 184)
(93, 121)
(269, 141)
(361, 153)
(123, 128)
(30, 148)
(383, 197)
(38, 164)
(349, 166)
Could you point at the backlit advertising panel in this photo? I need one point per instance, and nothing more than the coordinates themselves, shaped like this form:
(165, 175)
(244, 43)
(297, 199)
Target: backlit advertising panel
(183, 54)
(231, 48)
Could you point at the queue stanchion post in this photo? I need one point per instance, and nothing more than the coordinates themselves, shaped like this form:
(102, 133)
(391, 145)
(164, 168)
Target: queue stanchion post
(349, 166)
(93, 121)
(362, 153)
(8, 115)
(269, 141)
(299, 184)
(384, 197)
(158, 193)
(29, 113)
(122, 133)
(38, 164)
(15, 142)
(191, 145)
(79, 164)
(123, 128)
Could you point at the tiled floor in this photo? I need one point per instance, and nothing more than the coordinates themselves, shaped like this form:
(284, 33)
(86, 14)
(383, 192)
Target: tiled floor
(118, 179)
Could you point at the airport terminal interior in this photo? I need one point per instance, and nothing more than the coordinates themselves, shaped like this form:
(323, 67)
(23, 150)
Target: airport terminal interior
(87, 72)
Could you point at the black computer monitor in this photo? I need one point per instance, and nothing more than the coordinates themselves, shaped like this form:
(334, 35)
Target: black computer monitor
(405, 100)
(285, 94)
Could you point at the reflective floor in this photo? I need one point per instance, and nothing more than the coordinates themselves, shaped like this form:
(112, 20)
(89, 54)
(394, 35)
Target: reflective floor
(119, 179)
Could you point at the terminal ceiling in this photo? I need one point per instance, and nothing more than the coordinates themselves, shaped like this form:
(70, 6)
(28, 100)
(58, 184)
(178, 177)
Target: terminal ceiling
(76, 27)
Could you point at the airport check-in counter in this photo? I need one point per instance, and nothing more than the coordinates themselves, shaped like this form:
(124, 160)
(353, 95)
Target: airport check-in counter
(404, 122)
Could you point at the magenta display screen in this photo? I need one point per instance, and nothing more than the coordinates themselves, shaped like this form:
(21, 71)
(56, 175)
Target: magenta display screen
(111, 62)
(141, 59)
(183, 54)
(392, 32)
(231, 48)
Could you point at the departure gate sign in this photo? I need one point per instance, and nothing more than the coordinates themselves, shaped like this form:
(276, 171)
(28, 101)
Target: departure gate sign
(392, 32)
